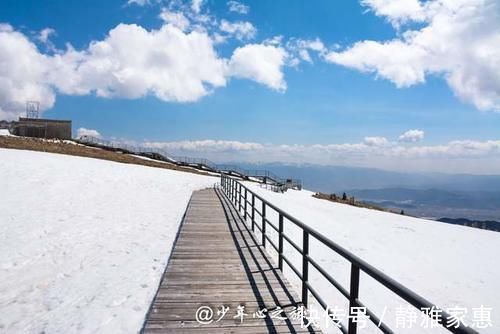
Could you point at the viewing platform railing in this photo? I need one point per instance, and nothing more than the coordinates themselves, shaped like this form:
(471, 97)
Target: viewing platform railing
(264, 176)
(244, 200)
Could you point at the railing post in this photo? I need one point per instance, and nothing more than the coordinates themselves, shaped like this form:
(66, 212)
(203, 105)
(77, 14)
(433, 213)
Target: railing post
(246, 194)
(231, 188)
(235, 199)
(280, 242)
(353, 295)
(305, 267)
(253, 212)
(263, 224)
(234, 191)
(239, 197)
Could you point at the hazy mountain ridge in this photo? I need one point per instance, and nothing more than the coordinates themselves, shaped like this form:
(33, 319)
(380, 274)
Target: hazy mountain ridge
(340, 178)
(435, 197)
(432, 195)
(485, 224)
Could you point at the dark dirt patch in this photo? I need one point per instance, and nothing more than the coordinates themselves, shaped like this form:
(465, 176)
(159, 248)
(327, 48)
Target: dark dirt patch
(70, 148)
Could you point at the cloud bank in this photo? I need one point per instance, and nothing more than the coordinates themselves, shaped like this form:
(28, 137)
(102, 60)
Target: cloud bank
(467, 156)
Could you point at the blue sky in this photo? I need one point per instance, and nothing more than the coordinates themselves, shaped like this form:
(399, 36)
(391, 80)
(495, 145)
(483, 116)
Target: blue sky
(336, 99)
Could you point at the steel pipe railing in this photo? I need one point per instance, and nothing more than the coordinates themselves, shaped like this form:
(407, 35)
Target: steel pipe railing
(233, 189)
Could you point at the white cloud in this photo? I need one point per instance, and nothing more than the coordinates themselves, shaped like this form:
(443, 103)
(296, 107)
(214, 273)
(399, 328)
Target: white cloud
(130, 62)
(241, 30)
(175, 18)
(206, 146)
(412, 136)
(196, 5)
(391, 60)
(375, 141)
(23, 73)
(302, 47)
(88, 132)
(275, 40)
(44, 34)
(261, 63)
(458, 40)
(138, 2)
(238, 7)
(397, 11)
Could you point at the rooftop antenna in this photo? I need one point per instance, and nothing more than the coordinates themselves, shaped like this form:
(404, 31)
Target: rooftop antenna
(32, 109)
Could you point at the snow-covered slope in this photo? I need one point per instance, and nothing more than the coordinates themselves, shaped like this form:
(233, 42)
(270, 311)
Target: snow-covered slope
(447, 264)
(83, 242)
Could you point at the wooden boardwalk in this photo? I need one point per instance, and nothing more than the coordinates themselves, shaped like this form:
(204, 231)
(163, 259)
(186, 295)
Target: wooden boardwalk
(216, 261)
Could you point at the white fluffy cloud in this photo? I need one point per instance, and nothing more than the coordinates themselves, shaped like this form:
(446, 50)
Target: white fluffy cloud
(172, 63)
(132, 62)
(238, 7)
(177, 19)
(397, 11)
(44, 34)
(196, 5)
(23, 73)
(412, 136)
(241, 30)
(375, 141)
(458, 40)
(87, 132)
(261, 63)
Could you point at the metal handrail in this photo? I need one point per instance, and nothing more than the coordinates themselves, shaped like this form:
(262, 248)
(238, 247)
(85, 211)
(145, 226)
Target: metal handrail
(236, 192)
(200, 163)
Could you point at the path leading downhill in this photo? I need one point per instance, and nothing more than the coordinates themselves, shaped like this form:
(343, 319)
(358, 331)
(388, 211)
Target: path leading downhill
(216, 261)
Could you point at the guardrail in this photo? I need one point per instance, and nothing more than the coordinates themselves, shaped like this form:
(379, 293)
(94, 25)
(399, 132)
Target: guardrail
(243, 199)
(263, 176)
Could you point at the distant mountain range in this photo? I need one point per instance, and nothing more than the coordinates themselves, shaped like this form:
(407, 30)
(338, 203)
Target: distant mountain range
(431, 195)
(339, 178)
(435, 203)
(413, 198)
(485, 225)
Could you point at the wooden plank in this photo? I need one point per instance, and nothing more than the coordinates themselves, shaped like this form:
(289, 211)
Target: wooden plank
(216, 261)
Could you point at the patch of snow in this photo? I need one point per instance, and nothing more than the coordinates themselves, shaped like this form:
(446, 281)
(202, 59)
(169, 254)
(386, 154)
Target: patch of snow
(84, 242)
(448, 265)
(5, 132)
(149, 159)
(173, 162)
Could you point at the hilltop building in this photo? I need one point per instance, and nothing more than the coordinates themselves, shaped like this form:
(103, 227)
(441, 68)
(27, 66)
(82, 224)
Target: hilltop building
(39, 128)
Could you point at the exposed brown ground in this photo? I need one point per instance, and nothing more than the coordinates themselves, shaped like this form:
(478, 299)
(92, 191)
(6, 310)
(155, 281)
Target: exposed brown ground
(61, 147)
(353, 202)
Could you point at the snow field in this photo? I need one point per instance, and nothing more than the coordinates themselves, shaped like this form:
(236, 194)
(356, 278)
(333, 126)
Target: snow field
(84, 242)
